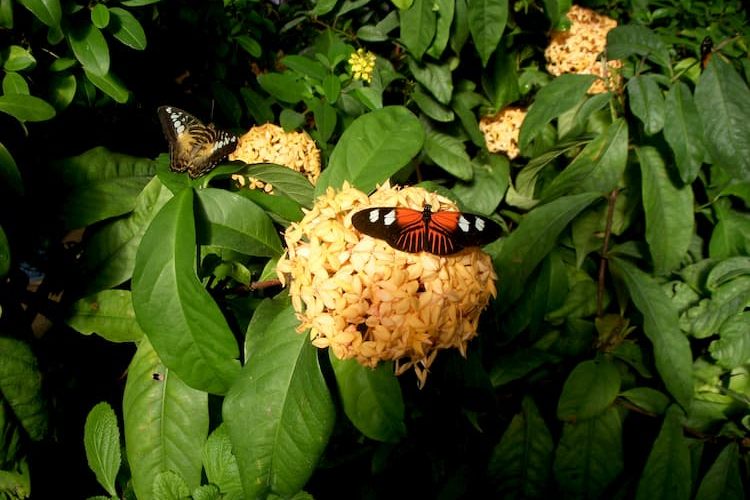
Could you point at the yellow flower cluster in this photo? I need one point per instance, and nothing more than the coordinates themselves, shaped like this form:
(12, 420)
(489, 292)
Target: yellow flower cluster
(578, 49)
(363, 63)
(269, 143)
(501, 130)
(368, 301)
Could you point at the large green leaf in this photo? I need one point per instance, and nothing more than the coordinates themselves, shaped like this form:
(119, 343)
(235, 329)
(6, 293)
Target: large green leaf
(647, 102)
(371, 398)
(47, 11)
(110, 85)
(17, 58)
(437, 78)
(630, 39)
(26, 108)
(500, 80)
(521, 463)
(723, 101)
(723, 480)
(589, 455)
(418, 25)
(671, 348)
(589, 390)
(279, 412)
(430, 106)
(285, 182)
(285, 87)
(232, 221)
(532, 241)
(108, 313)
(374, 147)
(126, 28)
(166, 422)
(683, 131)
(487, 20)
(444, 10)
(669, 212)
(90, 48)
(21, 386)
(10, 177)
(667, 471)
(449, 153)
(178, 315)
(488, 185)
(101, 438)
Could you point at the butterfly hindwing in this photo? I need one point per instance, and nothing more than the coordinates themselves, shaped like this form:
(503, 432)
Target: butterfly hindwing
(193, 146)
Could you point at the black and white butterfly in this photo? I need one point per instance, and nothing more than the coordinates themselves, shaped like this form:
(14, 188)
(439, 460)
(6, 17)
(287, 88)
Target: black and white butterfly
(193, 146)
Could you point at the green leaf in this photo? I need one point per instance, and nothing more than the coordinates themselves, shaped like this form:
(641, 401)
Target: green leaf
(647, 399)
(26, 108)
(249, 45)
(21, 386)
(706, 318)
(521, 462)
(169, 485)
(558, 96)
(10, 177)
(127, 29)
(62, 90)
(624, 41)
(669, 212)
(325, 120)
(101, 438)
(647, 102)
(444, 10)
(374, 147)
(306, 66)
(90, 48)
(590, 389)
(17, 59)
(674, 360)
(138, 3)
(100, 15)
(285, 181)
(487, 20)
(732, 349)
(598, 168)
(667, 471)
(258, 106)
(110, 85)
(418, 25)
(6, 14)
(47, 11)
(232, 221)
(460, 26)
(331, 88)
(108, 313)
(449, 153)
(180, 318)
(220, 463)
(534, 238)
(589, 455)
(166, 423)
(723, 480)
(723, 101)
(283, 86)
(5, 257)
(500, 81)
(371, 398)
(281, 395)
(435, 78)
(110, 251)
(731, 236)
(61, 64)
(430, 106)
(488, 185)
(683, 130)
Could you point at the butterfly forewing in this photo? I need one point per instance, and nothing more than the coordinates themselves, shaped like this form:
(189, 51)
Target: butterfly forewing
(193, 146)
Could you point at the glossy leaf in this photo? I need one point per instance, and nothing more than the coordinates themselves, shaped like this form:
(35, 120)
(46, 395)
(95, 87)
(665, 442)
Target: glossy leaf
(430, 106)
(166, 423)
(669, 212)
(488, 185)
(108, 313)
(249, 45)
(101, 438)
(18, 58)
(127, 29)
(487, 20)
(444, 10)
(47, 11)
(667, 471)
(500, 80)
(374, 147)
(671, 348)
(180, 318)
(449, 153)
(436, 78)
(100, 15)
(647, 102)
(62, 90)
(590, 389)
(371, 397)
(683, 130)
(634, 39)
(418, 25)
(281, 395)
(220, 463)
(285, 181)
(90, 48)
(26, 108)
(10, 177)
(723, 480)
(110, 85)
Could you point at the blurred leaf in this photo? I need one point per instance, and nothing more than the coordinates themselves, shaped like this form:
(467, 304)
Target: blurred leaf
(647, 399)
(166, 423)
(249, 45)
(138, 3)
(62, 90)
(220, 463)
(374, 147)
(26, 108)
(487, 20)
(671, 348)
(732, 349)
(6, 14)
(47, 11)
(647, 102)
(418, 25)
(10, 177)
(371, 398)
(683, 130)
(667, 471)
(127, 29)
(444, 10)
(589, 455)
(5, 257)
(669, 212)
(100, 19)
(110, 85)
(723, 101)
(491, 175)
(101, 437)
(178, 315)
(108, 313)
(21, 386)
(283, 86)
(17, 59)
(90, 48)
(521, 462)
(435, 78)
(723, 480)
(449, 153)
(589, 390)
(258, 106)
(626, 40)
(431, 107)
(280, 377)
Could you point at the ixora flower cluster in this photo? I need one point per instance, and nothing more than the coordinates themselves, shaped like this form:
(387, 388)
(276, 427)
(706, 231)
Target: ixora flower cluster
(578, 50)
(362, 63)
(501, 130)
(368, 301)
(269, 143)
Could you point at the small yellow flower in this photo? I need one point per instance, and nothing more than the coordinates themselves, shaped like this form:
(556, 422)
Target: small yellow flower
(501, 130)
(271, 144)
(363, 63)
(578, 49)
(366, 300)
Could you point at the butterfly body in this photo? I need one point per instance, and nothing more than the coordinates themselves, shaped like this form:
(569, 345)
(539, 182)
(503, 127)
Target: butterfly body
(441, 233)
(193, 146)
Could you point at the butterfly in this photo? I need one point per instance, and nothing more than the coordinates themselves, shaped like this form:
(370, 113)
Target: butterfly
(193, 146)
(707, 47)
(442, 233)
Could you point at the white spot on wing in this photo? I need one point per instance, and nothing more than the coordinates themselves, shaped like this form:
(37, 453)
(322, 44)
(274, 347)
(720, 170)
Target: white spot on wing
(463, 224)
(479, 224)
(374, 214)
(389, 218)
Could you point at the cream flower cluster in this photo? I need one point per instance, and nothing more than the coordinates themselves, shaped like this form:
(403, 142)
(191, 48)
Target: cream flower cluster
(501, 130)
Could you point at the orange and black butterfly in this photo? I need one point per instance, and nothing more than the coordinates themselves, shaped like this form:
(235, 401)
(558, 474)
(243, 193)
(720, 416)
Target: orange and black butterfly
(707, 50)
(193, 146)
(442, 233)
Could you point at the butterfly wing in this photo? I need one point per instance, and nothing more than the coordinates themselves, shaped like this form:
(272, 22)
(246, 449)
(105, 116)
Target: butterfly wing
(449, 232)
(193, 146)
(402, 228)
